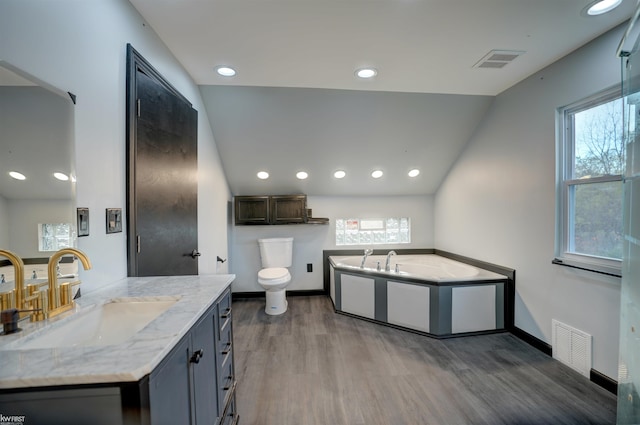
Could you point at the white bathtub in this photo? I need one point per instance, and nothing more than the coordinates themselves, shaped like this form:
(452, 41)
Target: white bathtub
(428, 293)
(428, 267)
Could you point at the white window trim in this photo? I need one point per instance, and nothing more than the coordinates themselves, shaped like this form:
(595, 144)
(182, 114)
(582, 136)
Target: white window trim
(383, 228)
(564, 165)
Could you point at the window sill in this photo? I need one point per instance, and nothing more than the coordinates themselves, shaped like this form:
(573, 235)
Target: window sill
(608, 270)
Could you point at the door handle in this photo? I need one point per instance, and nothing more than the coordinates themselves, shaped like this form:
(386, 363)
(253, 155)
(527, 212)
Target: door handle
(195, 253)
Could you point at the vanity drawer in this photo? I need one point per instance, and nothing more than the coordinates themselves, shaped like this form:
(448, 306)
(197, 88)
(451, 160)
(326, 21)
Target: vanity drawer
(230, 417)
(225, 341)
(226, 381)
(224, 312)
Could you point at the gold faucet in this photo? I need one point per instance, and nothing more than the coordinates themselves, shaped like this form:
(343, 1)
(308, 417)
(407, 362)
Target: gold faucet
(57, 303)
(18, 273)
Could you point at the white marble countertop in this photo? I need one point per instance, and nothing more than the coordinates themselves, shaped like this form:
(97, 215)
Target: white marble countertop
(128, 361)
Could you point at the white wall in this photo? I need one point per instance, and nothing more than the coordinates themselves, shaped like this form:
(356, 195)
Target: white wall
(4, 223)
(497, 203)
(311, 240)
(25, 215)
(80, 46)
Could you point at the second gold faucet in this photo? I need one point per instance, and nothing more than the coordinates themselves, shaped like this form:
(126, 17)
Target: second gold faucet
(42, 303)
(60, 295)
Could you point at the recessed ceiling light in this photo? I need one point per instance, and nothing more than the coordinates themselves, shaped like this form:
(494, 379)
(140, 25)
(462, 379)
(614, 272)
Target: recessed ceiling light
(377, 174)
(339, 174)
(262, 175)
(302, 175)
(414, 173)
(366, 72)
(61, 176)
(225, 71)
(16, 175)
(601, 6)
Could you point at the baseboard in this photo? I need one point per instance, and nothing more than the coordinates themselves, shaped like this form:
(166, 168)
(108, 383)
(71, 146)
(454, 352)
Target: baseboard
(244, 295)
(594, 376)
(292, 293)
(533, 341)
(604, 381)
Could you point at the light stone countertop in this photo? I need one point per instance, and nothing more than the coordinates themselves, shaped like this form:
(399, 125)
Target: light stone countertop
(126, 362)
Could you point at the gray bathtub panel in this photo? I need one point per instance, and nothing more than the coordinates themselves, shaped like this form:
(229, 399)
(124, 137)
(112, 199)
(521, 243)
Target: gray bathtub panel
(338, 290)
(440, 304)
(500, 297)
(381, 299)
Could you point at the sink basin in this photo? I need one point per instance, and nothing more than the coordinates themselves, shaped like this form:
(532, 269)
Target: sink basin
(107, 324)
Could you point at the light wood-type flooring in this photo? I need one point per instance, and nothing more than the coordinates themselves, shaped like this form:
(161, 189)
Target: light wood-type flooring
(312, 366)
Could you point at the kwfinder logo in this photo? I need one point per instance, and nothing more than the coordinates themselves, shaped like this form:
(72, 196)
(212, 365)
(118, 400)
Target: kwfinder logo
(11, 420)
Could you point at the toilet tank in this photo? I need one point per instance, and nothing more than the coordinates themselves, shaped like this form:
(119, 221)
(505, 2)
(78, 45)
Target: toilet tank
(276, 252)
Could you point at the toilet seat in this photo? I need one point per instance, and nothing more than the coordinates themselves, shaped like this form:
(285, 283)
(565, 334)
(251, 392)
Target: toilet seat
(274, 275)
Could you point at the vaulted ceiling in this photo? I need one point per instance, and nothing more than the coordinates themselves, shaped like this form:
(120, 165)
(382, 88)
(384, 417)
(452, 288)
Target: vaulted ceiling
(295, 103)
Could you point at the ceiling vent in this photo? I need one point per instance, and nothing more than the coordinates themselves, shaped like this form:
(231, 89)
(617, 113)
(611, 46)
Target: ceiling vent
(497, 59)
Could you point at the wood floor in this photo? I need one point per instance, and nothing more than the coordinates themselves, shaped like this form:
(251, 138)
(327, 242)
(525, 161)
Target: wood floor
(312, 366)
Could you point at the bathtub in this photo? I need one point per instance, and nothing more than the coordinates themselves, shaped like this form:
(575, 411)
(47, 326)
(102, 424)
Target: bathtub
(426, 267)
(425, 293)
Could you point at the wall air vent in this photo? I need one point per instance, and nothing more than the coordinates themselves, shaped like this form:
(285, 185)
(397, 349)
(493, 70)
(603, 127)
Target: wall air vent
(497, 59)
(571, 347)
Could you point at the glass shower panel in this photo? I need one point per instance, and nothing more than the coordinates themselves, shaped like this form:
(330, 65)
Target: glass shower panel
(629, 362)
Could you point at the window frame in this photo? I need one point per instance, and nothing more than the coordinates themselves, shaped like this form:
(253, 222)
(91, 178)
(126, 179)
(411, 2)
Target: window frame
(565, 182)
(383, 220)
(55, 238)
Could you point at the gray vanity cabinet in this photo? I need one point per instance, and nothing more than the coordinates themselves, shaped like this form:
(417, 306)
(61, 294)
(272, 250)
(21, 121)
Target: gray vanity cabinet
(169, 387)
(193, 385)
(203, 370)
(183, 388)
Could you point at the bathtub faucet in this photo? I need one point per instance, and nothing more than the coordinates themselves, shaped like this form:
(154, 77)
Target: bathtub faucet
(367, 252)
(387, 266)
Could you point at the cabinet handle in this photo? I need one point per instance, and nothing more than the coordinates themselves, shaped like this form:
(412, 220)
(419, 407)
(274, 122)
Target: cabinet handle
(227, 349)
(229, 383)
(196, 356)
(226, 313)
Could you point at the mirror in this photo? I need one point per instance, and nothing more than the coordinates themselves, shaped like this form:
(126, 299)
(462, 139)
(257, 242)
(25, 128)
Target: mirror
(36, 140)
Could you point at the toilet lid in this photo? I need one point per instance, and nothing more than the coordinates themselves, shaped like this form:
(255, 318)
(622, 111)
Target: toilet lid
(273, 273)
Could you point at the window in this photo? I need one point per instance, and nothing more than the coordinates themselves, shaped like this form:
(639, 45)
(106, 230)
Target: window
(589, 190)
(373, 231)
(54, 236)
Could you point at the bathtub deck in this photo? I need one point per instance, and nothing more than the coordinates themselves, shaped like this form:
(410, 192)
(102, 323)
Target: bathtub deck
(311, 366)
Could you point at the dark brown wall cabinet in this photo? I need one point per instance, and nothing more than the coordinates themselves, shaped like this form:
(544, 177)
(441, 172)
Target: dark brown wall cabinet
(280, 209)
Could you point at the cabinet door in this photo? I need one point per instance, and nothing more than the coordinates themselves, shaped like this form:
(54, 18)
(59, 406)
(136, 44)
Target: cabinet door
(408, 305)
(358, 295)
(288, 209)
(473, 308)
(203, 367)
(169, 388)
(252, 209)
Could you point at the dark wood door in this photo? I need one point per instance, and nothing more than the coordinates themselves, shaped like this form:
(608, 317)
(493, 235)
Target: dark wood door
(252, 209)
(163, 198)
(288, 209)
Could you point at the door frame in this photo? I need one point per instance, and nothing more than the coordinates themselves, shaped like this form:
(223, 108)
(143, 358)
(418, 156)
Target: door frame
(136, 62)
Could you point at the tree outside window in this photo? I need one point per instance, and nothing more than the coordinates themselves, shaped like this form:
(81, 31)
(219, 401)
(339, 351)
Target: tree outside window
(592, 185)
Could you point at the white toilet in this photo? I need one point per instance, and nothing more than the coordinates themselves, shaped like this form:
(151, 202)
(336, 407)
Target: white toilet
(276, 255)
